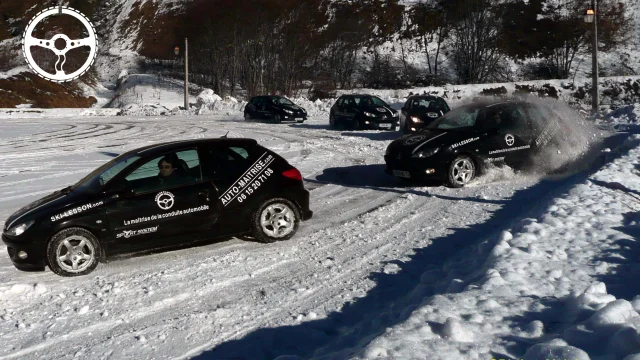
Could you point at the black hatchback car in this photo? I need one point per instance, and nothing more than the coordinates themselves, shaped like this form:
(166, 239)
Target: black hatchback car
(362, 112)
(274, 108)
(160, 196)
(459, 145)
(420, 110)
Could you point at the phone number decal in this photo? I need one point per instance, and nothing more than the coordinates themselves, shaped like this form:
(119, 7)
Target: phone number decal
(254, 185)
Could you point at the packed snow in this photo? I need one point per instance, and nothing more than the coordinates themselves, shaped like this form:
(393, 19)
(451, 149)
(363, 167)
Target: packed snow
(516, 265)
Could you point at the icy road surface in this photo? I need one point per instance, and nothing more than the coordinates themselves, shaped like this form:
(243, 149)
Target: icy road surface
(337, 273)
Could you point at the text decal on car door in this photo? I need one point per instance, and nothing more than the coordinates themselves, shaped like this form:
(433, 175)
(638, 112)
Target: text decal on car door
(255, 176)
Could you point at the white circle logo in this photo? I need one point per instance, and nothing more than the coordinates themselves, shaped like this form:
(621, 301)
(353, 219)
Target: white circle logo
(509, 139)
(414, 140)
(60, 76)
(164, 200)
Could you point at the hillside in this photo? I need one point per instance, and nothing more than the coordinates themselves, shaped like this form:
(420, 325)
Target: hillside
(365, 44)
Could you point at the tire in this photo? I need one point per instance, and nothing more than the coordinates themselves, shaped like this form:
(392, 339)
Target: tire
(461, 171)
(299, 121)
(281, 210)
(277, 119)
(247, 117)
(87, 256)
(356, 125)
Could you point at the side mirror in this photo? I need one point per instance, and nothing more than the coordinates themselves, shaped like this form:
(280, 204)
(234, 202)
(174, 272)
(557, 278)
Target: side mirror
(121, 189)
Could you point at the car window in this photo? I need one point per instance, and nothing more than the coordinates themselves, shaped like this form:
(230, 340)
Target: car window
(353, 100)
(254, 100)
(462, 117)
(443, 105)
(163, 172)
(341, 101)
(421, 103)
(509, 118)
(227, 161)
(116, 169)
(378, 101)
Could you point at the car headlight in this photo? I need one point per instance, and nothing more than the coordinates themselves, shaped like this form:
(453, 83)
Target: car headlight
(416, 119)
(425, 153)
(395, 114)
(18, 230)
(369, 114)
(288, 111)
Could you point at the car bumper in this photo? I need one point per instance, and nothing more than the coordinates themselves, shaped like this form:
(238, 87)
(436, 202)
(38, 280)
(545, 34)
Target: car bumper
(380, 124)
(36, 253)
(295, 117)
(416, 169)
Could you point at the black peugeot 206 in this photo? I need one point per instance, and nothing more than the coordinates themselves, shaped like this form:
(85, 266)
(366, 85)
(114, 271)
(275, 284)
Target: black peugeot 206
(459, 145)
(362, 112)
(160, 196)
(421, 110)
(275, 109)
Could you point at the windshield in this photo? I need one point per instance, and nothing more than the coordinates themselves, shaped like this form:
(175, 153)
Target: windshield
(106, 172)
(281, 100)
(427, 104)
(463, 117)
(370, 101)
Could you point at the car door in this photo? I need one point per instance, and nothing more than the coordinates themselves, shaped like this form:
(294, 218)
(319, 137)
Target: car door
(507, 137)
(151, 213)
(337, 108)
(351, 107)
(262, 108)
(238, 172)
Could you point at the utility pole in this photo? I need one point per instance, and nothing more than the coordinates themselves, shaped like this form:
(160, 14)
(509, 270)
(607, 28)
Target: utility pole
(186, 74)
(594, 55)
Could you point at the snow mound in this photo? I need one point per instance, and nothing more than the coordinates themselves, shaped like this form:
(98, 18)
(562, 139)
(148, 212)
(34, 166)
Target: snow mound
(17, 291)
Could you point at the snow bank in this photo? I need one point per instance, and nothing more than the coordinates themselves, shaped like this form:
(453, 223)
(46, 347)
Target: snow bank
(562, 284)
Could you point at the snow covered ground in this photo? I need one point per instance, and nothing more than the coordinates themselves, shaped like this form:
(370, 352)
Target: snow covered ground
(513, 266)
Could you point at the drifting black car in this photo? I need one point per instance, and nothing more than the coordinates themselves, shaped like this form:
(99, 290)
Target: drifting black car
(459, 145)
(362, 112)
(420, 110)
(160, 196)
(274, 108)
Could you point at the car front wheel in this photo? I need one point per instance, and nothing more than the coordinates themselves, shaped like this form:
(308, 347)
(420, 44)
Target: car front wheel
(277, 118)
(275, 220)
(461, 171)
(73, 252)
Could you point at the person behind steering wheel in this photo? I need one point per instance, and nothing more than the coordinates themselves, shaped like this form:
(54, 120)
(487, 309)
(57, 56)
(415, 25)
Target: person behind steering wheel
(168, 174)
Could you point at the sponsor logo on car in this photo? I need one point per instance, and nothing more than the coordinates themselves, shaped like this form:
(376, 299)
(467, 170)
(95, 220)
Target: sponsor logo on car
(494, 159)
(464, 142)
(250, 181)
(129, 233)
(165, 215)
(414, 140)
(509, 139)
(165, 200)
(432, 115)
(75, 211)
(508, 150)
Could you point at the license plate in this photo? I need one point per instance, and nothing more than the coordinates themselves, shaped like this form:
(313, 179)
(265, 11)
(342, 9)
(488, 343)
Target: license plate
(399, 173)
(385, 126)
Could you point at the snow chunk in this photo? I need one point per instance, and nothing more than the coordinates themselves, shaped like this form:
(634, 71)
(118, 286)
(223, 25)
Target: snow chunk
(549, 351)
(207, 98)
(454, 330)
(616, 312)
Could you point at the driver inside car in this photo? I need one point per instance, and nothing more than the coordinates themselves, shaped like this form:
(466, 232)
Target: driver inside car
(169, 173)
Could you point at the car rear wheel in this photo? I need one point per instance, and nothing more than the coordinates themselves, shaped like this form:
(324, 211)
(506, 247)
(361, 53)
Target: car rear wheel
(277, 119)
(247, 117)
(275, 220)
(73, 252)
(461, 171)
(299, 121)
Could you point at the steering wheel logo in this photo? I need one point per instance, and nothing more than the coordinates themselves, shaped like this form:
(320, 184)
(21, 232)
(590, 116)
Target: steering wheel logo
(60, 76)
(509, 139)
(165, 200)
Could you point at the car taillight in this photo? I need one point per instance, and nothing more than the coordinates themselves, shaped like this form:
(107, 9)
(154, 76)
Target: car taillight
(293, 174)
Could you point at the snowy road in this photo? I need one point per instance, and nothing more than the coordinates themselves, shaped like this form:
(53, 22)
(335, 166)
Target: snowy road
(187, 302)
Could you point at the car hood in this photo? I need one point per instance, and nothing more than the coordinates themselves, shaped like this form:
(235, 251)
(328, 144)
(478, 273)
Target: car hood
(379, 110)
(293, 108)
(54, 200)
(429, 139)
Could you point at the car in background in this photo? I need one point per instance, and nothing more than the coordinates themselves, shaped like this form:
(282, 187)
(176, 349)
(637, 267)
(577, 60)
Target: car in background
(359, 112)
(160, 196)
(420, 110)
(459, 145)
(274, 108)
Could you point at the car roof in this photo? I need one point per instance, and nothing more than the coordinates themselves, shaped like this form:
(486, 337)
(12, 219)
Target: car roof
(168, 146)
